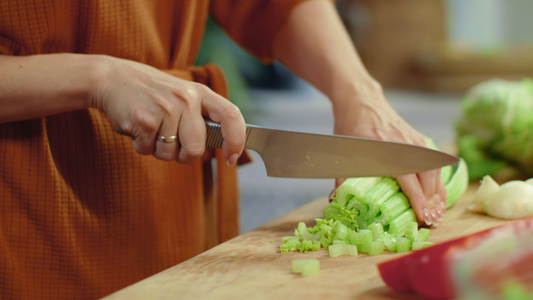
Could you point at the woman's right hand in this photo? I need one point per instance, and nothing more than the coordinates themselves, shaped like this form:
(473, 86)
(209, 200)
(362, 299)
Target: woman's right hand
(137, 98)
(148, 103)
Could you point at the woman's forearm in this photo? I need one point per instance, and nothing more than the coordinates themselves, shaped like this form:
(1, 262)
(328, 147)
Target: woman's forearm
(40, 85)
(315, 45)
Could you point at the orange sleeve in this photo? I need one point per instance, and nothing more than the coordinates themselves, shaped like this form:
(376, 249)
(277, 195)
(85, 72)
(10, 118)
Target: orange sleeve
(253, 24)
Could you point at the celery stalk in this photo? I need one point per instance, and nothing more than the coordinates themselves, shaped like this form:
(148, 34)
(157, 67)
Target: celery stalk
(392, 208)
(354, 188)
(377, 195)
(398, 225)
(457, 184)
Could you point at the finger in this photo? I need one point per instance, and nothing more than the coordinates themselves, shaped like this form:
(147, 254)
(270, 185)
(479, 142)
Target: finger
(144, 130)
(338, 182)
(167, 141)
(233, 127)
(429, 181)
(411, 187)
(443, 197)
(192, 133)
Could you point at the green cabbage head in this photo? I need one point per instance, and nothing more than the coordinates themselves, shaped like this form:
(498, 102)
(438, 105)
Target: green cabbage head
(495, 128)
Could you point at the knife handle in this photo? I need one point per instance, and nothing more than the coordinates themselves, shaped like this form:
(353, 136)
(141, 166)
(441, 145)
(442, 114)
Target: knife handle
(214, 135)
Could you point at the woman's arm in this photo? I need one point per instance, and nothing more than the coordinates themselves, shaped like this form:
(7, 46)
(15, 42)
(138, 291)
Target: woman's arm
(42, 85)
(138, 98)
(315, 45)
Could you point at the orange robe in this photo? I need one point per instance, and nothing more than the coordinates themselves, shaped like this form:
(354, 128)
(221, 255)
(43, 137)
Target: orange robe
(81, 213)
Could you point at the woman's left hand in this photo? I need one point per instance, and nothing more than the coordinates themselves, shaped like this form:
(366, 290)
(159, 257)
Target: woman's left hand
(368, 114)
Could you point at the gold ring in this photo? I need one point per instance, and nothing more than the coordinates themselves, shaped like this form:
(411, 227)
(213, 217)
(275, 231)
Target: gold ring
(169, 139)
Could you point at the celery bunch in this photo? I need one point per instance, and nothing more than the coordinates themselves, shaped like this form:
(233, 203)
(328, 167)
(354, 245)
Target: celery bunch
(362, 201)
(374, 214)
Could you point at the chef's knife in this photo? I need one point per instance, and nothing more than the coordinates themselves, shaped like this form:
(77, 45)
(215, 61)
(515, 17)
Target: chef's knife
(308, 155)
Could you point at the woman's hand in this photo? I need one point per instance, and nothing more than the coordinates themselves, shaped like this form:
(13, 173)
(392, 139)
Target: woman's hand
(149, 103)
(315, 45)
(139, 99)
(367, 114)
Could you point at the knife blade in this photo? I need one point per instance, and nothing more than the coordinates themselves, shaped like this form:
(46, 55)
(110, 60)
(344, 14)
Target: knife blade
(308, 155)
(294, 154)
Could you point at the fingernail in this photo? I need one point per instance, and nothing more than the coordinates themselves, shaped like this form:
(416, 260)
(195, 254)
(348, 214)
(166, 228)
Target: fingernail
(433, 215)
(426, 216)
(232, 160)
(443, 206)
(438, 212)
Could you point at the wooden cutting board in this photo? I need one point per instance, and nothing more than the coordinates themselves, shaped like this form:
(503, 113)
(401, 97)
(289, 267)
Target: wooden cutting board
(250, 266)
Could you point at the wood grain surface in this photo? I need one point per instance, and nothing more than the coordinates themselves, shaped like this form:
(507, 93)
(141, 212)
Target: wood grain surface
(250, 266)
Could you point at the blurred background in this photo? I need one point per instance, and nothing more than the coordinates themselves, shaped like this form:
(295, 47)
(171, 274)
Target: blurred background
(426, 54)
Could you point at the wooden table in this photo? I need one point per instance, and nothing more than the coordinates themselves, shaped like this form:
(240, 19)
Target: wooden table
(250, 266)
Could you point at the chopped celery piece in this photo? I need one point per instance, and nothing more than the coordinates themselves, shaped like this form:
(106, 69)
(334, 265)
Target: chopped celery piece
(290, 244)
(375, 247)
(337, 250)
(418, 245)
(334, 211)
(339, 242)
(403, 244)
(389, 241)
(398, 225)
(306, 267)
(306, 245)
(422, 235)
(377, 230)
(411, 230)
(341, 231)
(363, 236)
(288, 237)
(364, 248)
(303, 233)
(325, 242)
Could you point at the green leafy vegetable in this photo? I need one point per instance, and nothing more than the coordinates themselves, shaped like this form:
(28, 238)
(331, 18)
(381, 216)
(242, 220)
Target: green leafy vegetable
(494, 133)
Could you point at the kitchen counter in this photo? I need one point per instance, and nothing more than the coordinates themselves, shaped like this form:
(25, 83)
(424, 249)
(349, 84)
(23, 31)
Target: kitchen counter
(250, 266)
